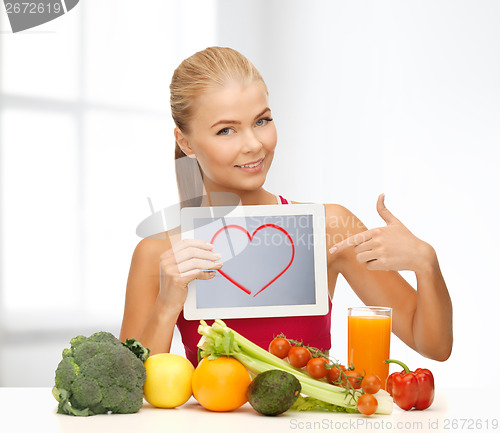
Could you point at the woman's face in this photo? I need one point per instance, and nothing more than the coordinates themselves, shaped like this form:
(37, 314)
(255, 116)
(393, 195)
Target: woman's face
(232, 126)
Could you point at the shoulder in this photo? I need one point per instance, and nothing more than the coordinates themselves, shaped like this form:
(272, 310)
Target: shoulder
(342, 215)
(149, 249)
(339, 220)
(332, 209)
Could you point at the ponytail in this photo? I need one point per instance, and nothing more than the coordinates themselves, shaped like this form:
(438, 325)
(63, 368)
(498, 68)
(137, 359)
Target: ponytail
(203, 71)
(189, 179)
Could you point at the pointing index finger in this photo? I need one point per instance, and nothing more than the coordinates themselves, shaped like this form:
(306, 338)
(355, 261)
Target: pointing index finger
(351, 241)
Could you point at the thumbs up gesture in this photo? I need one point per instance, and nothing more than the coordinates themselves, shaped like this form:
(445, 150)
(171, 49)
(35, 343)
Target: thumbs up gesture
(389, 248)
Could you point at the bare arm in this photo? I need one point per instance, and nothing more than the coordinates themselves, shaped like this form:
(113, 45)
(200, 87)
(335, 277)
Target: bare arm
(432, 321)
(369, 261)
(146, 317)
(157, 288)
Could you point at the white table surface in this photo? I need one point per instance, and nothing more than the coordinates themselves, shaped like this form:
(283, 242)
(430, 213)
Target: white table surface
(34, 410)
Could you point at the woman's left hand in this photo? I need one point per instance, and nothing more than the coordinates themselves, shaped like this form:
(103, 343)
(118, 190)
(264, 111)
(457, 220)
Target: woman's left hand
(389, 248)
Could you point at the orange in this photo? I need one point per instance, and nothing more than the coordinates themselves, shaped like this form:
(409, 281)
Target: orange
(221, 384)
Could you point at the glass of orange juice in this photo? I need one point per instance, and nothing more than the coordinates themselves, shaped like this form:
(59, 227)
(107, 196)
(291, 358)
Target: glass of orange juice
(369, 340)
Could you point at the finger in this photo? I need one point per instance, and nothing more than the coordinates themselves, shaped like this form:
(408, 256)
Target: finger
(191, 243)
(198, 265)
(375, 265)
(365, 246)
(386, 215)
(197, 273)
(187, 277)
(366, 256)
(206, 275)
(352, 241)
(194, 251)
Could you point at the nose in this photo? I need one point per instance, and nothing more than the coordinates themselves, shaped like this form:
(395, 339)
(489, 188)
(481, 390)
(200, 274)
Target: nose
(251, 142)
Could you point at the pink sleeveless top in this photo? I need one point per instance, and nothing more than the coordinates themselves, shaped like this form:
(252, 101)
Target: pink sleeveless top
(312, 330)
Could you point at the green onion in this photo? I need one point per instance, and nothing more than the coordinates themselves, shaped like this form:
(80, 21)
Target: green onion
(220, 340)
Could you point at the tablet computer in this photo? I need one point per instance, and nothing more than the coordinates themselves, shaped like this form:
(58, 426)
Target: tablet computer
(274, 261)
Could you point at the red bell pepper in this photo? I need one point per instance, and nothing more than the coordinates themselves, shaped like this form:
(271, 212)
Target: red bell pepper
(411, 389)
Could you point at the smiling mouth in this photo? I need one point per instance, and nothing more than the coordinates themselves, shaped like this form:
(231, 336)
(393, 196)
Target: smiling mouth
(252, 165)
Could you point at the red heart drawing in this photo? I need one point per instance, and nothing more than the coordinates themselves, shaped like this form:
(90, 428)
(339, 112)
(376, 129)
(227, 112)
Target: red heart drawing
(232, 280)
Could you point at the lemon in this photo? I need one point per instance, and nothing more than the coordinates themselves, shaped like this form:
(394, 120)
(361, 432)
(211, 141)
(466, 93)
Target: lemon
(168, 380)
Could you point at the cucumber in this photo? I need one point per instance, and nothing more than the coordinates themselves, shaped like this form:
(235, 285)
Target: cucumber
(273, 392)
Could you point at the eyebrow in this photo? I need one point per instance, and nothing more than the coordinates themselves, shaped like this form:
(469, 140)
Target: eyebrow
(237, 122)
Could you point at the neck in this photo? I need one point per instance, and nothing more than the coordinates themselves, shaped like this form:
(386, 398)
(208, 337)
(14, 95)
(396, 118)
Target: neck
(213, 197)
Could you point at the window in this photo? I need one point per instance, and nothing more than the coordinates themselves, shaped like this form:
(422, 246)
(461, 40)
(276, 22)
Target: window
(85, 137)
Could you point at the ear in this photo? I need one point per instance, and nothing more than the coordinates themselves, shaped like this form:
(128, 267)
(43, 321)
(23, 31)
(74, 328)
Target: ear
(183, 143)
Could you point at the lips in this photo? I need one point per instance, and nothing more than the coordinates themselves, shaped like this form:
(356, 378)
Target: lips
(249, 163)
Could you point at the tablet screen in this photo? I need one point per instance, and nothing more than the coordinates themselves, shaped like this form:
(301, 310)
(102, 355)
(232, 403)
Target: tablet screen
(273, 264)
(267, 260)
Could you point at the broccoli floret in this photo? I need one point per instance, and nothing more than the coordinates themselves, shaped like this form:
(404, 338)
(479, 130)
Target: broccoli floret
(85, 351)
(132, 401)
(100, 367)
(105, 337)
(76, 341)
(113, 397)
(67, 352)
(86, 392)
(66, 373)
(100, 374)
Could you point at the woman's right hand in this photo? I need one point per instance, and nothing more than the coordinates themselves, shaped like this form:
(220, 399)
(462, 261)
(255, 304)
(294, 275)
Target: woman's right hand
(183, 263)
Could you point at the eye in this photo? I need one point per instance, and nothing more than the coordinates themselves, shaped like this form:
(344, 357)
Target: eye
(224, 131)
(264, 121)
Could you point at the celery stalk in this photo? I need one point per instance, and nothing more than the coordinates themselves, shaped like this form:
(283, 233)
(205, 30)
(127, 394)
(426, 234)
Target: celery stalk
(220, 340)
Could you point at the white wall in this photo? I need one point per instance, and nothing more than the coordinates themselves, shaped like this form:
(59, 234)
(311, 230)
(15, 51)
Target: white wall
(395, 97)
(368, 97)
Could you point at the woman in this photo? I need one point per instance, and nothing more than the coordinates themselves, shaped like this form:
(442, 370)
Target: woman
(223, 122)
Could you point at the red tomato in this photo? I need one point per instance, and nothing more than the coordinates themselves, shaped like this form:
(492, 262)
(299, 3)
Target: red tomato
(367, 404)
(354, 378)
(299, 356)
(316, 367)
(371, 384)
(333, 375)
(280, 347)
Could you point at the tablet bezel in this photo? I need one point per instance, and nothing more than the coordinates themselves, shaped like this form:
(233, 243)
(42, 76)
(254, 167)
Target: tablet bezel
(320, 307)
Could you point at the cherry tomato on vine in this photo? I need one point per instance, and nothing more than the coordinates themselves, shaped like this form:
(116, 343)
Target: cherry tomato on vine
(299, 356)
(316, 367)
(280, 347)
(367, 404)
(354, 379)
(371, 384)
(333, 375)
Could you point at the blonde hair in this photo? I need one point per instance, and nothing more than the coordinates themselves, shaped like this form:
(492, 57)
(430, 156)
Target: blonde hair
(205, 70)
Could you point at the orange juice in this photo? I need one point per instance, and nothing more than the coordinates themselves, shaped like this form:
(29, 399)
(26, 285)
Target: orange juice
(369, 340)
